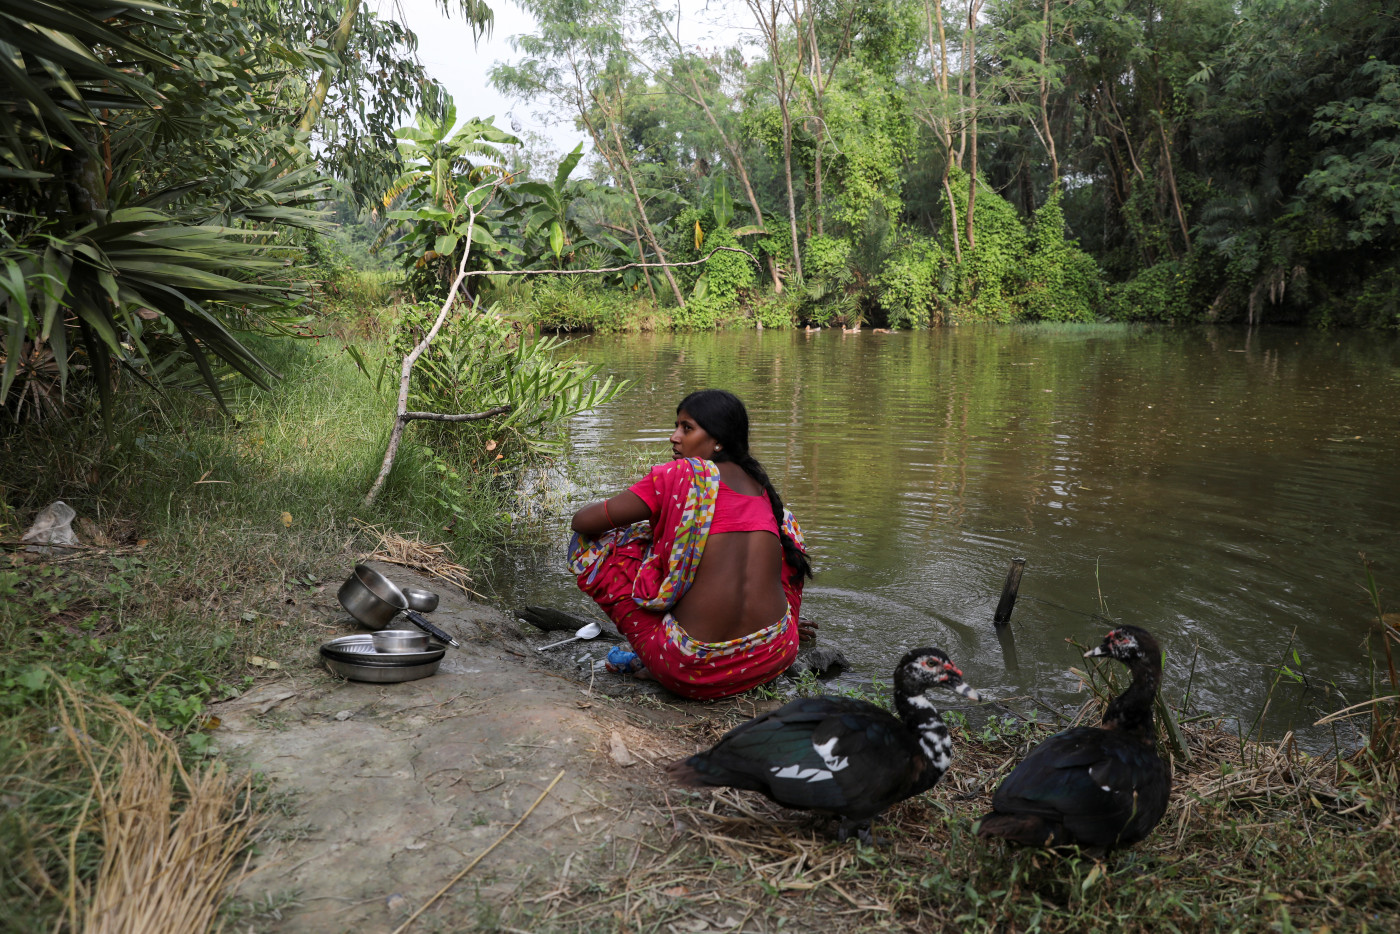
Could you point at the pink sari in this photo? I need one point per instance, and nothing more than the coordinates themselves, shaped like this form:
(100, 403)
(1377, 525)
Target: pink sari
(637, 574)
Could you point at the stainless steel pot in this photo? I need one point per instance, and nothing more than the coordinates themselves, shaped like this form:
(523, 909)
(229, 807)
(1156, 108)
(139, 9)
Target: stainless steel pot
(375, 600)
(359, 647)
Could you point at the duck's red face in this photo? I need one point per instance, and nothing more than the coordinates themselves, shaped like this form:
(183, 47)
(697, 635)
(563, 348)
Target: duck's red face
(946, 673)
(1119, 644)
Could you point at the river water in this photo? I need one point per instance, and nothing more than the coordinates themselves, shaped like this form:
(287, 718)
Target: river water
(1214, 487)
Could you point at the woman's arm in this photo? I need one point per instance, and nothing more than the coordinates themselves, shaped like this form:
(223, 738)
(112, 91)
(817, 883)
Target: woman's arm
(617, 513)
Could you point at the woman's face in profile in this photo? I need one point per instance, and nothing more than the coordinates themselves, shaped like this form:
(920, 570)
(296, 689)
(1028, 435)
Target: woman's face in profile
(689, 439)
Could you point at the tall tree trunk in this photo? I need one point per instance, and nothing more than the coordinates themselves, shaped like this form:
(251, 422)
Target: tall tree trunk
(973, 6)
(339, 41)
(952, 210)
(641, 208)
(1171, 186)
(1045, 101)
(942, 122)
(737, 159)
(962, 124)
(819, 105)
(646, 273)
(768, 24)
(791, 198)
(600, 144)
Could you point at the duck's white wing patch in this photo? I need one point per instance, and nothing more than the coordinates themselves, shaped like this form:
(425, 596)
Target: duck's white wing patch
(827, 751)
(798, 772)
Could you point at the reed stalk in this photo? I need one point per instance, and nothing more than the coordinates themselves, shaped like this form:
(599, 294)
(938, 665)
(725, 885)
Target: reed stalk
(171, 837)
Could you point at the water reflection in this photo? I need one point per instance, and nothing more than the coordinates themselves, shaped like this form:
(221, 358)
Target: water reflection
(1213, 486)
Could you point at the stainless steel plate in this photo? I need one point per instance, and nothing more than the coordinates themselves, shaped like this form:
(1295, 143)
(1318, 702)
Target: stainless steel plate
(380, 674)
(360, 646)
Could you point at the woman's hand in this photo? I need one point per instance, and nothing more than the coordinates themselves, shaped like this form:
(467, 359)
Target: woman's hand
(806, 630)
(617, 513)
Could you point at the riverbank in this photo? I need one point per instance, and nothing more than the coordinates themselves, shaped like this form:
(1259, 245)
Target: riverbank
(372, 799)
(212, 551)
(393, 793)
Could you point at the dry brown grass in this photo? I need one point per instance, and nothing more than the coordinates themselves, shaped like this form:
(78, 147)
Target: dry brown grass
(171, 837)
(410, 551)
(1258, 836)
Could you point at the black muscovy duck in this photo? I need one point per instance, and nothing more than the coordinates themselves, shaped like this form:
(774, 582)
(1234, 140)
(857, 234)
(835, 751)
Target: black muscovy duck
(1093, 786)
(839, 755)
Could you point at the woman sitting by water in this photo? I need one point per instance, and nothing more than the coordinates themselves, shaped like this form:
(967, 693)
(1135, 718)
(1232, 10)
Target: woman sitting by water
(699, 564)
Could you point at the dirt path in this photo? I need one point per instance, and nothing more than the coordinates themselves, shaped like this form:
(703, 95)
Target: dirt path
(388, 791)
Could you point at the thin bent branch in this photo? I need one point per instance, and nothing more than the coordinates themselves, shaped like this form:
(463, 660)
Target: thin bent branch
(468, 417)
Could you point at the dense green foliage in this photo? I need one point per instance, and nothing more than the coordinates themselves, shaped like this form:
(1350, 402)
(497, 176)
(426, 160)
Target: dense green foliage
(1199, 160)
(161, 169)
(901, 163)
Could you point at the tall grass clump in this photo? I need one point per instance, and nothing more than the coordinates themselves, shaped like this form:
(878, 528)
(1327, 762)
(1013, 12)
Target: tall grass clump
(1380, 756)
(107, 829)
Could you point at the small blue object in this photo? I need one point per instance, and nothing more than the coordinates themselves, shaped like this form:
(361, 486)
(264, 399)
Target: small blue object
(623, 660)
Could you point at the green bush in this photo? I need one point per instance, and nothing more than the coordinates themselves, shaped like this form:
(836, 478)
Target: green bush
(1158, 293)
(571, 303)
(725, 280)
(1063, 283)
(727, 276)
(828, 289)
(775, 311)
(1377, 305)
(989, 283)
(703, 313)
(481, 360)
(827, 258)
(910, 288)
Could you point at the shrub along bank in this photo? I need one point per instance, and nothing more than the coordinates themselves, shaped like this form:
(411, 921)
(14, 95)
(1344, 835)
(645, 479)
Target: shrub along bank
(885, 274)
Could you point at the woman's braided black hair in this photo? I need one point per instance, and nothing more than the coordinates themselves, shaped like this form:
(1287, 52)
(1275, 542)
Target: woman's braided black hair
(725, 419)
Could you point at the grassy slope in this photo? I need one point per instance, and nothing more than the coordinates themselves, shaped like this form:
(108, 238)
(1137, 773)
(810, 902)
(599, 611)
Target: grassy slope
(201, 571)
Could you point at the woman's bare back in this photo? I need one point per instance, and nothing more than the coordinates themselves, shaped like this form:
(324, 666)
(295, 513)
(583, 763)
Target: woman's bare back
(738, 587)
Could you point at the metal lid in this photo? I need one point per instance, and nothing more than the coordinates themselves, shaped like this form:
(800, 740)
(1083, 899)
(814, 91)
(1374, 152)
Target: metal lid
(359, 648)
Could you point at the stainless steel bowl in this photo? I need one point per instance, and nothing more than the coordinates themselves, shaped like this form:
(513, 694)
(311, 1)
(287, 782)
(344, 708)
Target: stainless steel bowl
(400, 640)
(424, 601)
(380, 674)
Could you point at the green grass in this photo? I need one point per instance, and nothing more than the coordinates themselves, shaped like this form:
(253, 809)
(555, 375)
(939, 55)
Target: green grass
(220, 532)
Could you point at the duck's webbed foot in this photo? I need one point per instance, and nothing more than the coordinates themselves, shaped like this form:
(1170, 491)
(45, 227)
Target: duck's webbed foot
(862, 829)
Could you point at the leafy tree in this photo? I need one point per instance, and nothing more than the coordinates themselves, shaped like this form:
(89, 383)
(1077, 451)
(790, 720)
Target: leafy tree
(115, 243)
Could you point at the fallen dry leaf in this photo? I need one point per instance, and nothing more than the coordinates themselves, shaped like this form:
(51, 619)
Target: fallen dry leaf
(620, 755)
(260, 662)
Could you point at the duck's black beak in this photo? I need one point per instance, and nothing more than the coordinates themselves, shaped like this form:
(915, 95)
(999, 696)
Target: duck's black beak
(1099, 651)
(963, 688)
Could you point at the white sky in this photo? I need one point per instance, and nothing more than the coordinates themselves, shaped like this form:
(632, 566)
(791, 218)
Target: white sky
(446, 49)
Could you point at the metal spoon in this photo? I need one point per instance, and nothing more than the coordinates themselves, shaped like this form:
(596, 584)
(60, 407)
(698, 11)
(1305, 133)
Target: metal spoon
(587, 632)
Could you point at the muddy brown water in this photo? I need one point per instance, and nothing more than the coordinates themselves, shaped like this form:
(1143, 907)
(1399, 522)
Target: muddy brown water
(1213, 486)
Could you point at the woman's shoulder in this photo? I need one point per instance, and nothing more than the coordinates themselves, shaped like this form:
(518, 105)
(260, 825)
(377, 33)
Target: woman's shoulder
(658, 476)
(683, 466)
(672, 474)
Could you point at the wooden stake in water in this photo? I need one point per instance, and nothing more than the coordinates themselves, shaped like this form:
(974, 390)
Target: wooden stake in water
(1008, 592)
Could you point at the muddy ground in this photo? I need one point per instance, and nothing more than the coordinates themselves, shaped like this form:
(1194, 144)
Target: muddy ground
(384, 793)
